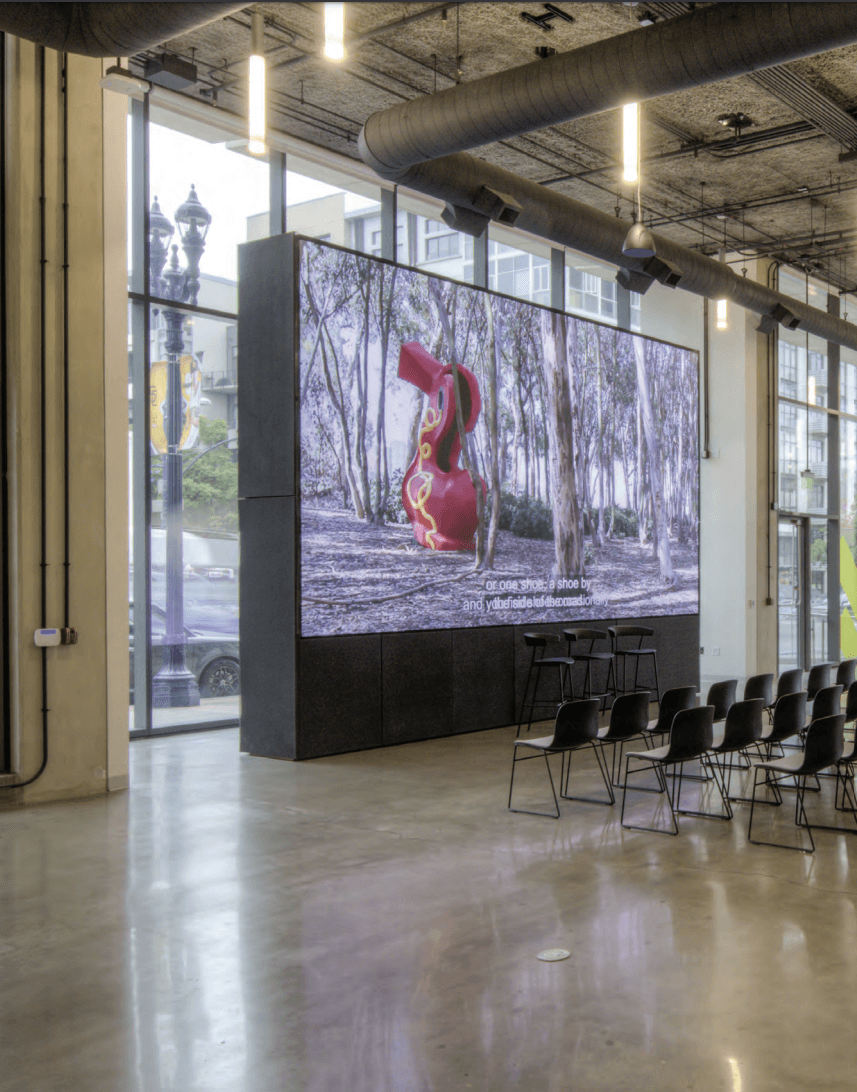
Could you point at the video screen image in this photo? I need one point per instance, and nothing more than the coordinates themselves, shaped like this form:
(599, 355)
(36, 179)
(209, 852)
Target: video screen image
(468, 459)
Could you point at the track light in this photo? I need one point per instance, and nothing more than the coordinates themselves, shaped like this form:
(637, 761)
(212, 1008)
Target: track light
(722, 322)
(334, 32)
(631, 142)
(256, 94)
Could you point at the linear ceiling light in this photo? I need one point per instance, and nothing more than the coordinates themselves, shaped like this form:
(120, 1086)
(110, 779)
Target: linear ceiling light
(256, 96)
(631, 142)
(722, 322)
(334, 32)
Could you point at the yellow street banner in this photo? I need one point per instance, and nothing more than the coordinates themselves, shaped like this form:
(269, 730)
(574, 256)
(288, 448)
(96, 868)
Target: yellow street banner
(191, 378)
(848, 581)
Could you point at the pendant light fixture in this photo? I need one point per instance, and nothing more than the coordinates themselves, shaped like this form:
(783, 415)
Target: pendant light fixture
(334, 32)
(639, 242)
(722, 320)
(256, 91)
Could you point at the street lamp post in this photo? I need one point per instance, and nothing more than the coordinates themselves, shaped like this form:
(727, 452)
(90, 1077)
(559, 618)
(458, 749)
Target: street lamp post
(174, 685)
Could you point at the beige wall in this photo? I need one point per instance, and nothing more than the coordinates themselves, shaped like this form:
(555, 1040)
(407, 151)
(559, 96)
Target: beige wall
(87, 682)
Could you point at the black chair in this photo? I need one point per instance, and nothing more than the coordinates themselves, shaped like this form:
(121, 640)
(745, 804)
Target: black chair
(846, 673)
(722, 696)
(578, 636)
(742, 729)
(673, 701)
(818, 679)
(845, 778)
(576, 726)
(630, 633)
(760, 686)
(789, 720)
(563, 664)
(851, 704)
(827, 702)
(629, 719)
(691, 736)
(824, 747)
(790, 682)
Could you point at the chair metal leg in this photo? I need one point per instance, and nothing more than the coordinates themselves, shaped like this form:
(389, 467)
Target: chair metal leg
(524, 811)
(721, 788)
(664, 789)
(602, 766)
(799, 809)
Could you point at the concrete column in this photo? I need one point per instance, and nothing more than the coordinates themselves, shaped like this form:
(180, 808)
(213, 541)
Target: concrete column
(87, 682)
(557, 279)
(389, 218)
(480, 260)
(277, 189)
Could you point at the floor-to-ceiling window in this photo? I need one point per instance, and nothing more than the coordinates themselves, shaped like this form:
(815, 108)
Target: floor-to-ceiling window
(814, 429)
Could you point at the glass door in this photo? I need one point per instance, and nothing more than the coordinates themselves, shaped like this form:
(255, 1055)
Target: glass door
(792, 597)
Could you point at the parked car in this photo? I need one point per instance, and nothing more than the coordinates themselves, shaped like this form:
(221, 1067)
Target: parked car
(211, 656)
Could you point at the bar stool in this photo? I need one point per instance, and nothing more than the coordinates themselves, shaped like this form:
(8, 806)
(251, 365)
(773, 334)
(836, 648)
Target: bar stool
(563, 664)
(579, 635)
(617, 633)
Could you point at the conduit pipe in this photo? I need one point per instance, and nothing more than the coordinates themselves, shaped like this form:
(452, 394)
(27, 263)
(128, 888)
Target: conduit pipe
(466, 184)
(106, 30)
(715, 43)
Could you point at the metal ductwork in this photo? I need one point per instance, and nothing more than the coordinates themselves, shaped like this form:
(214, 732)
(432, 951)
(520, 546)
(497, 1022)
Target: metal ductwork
(410, 143)
(106, 30)
(460, 179)
(715, 43)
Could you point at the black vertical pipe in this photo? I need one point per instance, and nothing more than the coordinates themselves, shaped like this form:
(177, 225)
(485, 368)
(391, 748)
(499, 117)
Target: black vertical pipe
(65, 361)
(4, 418)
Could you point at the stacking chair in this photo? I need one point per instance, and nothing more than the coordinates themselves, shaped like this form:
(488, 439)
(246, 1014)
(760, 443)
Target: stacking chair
(578, 638)
(691, 736)
(576, 726)
(845, 673)
(635, 654)
(673, 701)
(742, 729)
(722, 695)
(629, 719)
(760, 686)
(539, 663)
(818, 679)
(789, 720)
(790, 682)
(851, 704)
(824, 748)
(827, 702)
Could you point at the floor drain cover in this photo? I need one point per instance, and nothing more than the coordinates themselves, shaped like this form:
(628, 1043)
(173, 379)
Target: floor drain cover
(553, 955)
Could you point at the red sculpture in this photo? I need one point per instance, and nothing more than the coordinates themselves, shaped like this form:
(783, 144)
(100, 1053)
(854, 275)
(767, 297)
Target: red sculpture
(437, 493)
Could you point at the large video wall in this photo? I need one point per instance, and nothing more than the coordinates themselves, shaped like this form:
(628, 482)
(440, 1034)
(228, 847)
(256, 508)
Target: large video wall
(467, 459)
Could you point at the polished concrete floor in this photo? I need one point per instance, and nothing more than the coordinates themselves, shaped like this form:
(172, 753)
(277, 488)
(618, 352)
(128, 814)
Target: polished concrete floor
(370, 923)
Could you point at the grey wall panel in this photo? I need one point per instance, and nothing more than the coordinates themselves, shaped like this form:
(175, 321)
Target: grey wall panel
(339, 704)
(266, 363)
(417, 685)
(483, 678)
(267, 626)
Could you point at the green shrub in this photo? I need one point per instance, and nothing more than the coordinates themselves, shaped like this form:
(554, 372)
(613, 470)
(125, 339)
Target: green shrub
(534, 520)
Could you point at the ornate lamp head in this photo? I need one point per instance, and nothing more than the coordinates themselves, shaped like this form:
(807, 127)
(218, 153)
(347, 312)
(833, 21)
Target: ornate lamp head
(160, 233)
(192, 218)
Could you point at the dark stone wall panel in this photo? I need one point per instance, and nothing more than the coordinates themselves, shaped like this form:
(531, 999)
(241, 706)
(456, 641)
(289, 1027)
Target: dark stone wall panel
(267, 626)
(417, 685)
(339, 695)
(483, 678)
(266, 365)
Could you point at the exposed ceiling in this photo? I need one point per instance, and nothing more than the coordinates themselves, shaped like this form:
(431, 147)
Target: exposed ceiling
(777, 186)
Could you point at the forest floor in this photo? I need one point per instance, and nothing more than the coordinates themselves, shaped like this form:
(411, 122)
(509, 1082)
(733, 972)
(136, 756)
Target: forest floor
(356, 578)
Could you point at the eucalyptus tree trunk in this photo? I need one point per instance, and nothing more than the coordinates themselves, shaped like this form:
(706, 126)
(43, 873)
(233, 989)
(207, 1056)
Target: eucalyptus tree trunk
(493, 371)
(568, 547)
(659, 522)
